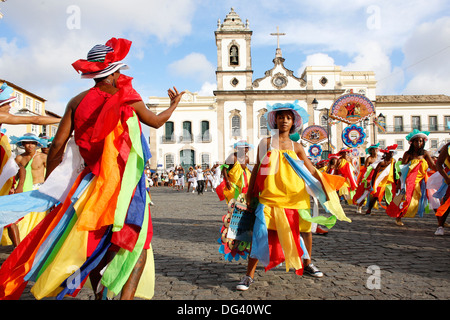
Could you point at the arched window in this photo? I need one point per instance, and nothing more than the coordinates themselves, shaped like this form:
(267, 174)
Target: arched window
(205, 131)
(187, 158)
(168, 131)
(234, 55)
(169, 160)
(236, 126)
(187, 131)
(205, 160)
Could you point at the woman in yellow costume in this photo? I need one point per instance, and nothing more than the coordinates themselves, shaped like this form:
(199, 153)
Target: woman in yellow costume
(282, 182)
(236, 174)
(236, 177)
(412, 193)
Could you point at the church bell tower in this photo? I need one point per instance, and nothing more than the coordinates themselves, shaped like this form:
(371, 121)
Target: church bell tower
(234, 65)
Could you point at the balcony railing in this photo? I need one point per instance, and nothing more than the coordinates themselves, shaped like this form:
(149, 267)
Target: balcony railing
(206, 138)
(409, 128)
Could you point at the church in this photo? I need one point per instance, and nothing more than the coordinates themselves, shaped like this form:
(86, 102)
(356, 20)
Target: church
(202, 130)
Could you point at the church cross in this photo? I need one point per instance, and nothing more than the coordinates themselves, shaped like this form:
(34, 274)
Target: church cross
(278, 34)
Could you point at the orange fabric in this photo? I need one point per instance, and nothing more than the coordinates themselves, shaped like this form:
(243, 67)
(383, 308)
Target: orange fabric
(335, 181)
(100, 208)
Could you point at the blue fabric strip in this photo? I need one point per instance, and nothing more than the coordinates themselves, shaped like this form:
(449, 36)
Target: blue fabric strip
(16, 206)
(145, 148)
(136, 210)
(260, 240)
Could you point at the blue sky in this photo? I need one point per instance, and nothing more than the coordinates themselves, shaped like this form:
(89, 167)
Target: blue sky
(406, 43)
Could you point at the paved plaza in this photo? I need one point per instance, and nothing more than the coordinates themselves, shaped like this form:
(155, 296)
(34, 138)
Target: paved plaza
(369, 259)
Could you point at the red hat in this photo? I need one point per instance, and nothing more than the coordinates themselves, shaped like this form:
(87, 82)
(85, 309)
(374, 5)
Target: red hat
(333, 156)
(390, 148)
(344, 150)
(103, 60)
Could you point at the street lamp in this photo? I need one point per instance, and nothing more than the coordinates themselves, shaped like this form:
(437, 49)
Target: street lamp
(315, 104)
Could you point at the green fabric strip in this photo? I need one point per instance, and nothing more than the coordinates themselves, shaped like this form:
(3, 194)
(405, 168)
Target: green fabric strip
(120, 268)
(328, 222)
(133, 172)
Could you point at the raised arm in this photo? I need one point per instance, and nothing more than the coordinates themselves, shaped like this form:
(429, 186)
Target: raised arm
(8, 118)
(157, 120)
(430, 161)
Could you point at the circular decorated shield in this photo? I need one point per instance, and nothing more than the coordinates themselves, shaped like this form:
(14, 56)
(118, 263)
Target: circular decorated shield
(353, 136)
(315, 150)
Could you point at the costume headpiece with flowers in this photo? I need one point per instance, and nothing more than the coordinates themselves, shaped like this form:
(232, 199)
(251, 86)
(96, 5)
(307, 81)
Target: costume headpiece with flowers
(374, 146)
(417, 134)
(300, 115)
(103, 60)
(6, 94)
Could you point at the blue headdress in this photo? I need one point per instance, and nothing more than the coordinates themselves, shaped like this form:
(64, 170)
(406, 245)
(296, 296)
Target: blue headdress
(300, 114)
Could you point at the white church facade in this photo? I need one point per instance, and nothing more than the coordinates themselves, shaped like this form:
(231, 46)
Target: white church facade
(202, 130)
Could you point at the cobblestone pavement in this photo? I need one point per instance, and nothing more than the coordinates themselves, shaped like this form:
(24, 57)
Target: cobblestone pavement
(368, 259)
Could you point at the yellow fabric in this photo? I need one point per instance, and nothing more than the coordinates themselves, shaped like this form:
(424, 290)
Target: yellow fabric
(235, 176)
(421, 174)
(283, 188)
(271, 223)
(278, 217)
(146, 286)
(70, 257)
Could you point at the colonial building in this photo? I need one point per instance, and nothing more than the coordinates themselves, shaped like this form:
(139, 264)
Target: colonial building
(236, 111)
(189, 137)
(28, 104)
(401, 114)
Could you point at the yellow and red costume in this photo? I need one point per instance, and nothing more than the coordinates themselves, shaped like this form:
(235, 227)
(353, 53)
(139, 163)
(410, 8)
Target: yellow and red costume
(283, 187)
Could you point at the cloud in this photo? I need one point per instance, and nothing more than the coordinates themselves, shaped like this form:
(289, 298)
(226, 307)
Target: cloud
(372, 57)
(316, 59)
(426, 58)
(46, 37)
(194, 65)
(207, 89)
